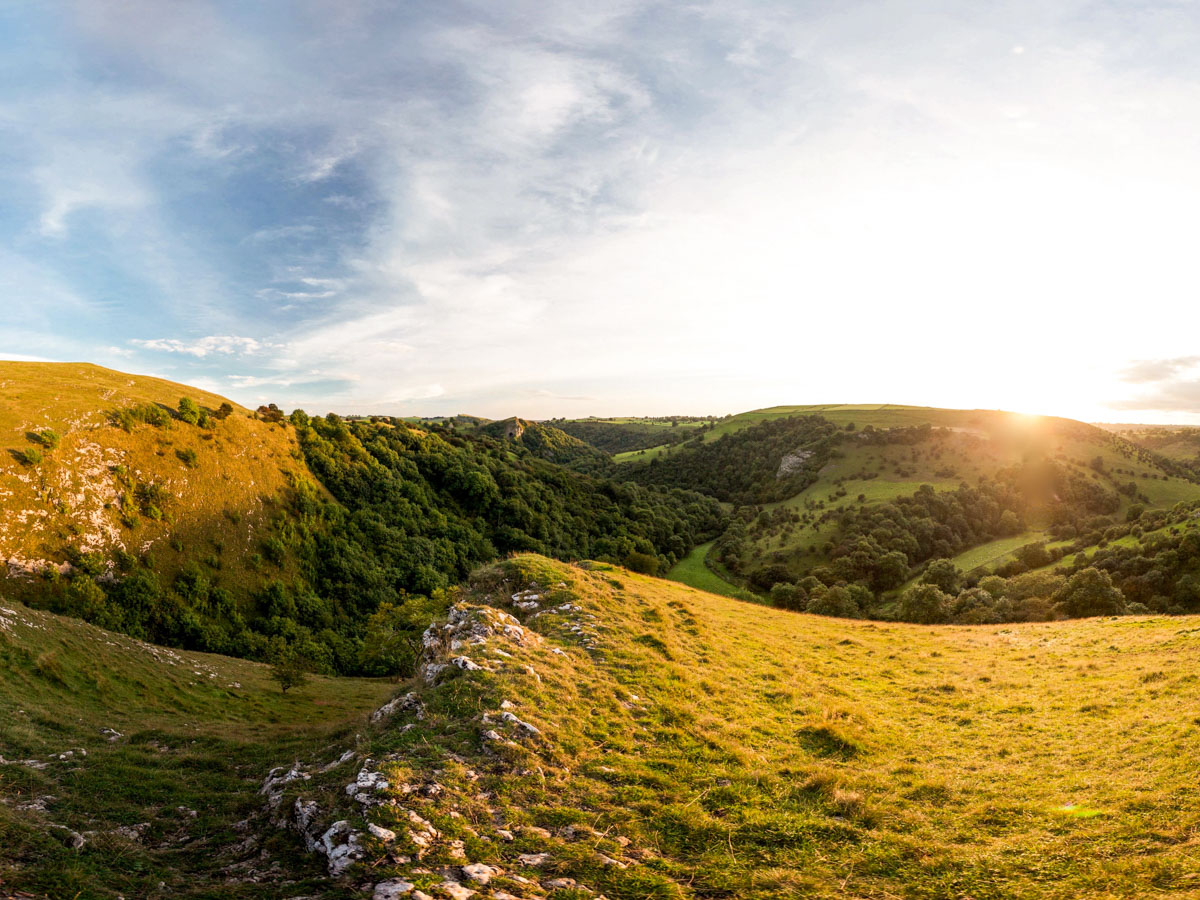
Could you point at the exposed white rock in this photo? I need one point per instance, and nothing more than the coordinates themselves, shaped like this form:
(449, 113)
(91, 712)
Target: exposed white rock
(479, 873)
(367, 784)
(277, 779)
(341, 847)
(304, 820)
(408, 703)
(132, 832)
(467, 626)
(523, 726)
(792, 462)
(344, 758)
(73, 839)
(392, 889)
(384, 834)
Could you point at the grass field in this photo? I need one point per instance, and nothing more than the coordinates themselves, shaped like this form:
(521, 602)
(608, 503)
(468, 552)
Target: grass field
(995, 551)
(197, 733)
(692, 571)
(712, 748)
(696, 745)
(648, 454)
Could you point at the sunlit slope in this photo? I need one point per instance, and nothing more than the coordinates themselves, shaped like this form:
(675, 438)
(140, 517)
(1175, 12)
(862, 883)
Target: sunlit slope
(805, 480)
(697, 746)
(877, 415)
(150, 489)
(125, 768)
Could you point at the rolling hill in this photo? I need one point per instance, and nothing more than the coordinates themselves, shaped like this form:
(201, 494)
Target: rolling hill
(585, 730)
(807, 477)
(176, 516)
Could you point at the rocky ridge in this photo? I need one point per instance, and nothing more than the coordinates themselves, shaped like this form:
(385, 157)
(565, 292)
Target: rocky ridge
(431, 821)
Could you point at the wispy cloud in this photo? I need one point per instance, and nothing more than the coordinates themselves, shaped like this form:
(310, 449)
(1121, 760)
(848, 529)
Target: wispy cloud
(1149, 371)
(226, 345)
(641, 205)
(1167, 385)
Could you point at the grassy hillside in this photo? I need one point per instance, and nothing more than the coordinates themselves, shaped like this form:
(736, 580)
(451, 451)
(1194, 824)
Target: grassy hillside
(1180, 444)
(1056, 472)
(629, 437)
(642, 739)
(151, 757)
(148, 491)
(587, 729)
(694, 571)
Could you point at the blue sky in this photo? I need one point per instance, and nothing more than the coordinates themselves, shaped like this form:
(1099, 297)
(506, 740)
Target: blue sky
(618, 207)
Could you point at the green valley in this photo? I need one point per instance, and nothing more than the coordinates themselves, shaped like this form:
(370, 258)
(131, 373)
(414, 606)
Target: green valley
(839, 689)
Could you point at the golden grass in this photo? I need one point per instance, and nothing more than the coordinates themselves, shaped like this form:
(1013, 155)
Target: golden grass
(761, 753)
(72, 498)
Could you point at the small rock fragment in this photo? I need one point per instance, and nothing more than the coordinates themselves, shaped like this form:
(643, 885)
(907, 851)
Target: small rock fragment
(392, 889)
(479, 873)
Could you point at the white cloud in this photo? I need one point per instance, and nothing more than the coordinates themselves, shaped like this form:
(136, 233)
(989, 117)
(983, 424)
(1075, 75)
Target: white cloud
(664, 207)
(227, 345)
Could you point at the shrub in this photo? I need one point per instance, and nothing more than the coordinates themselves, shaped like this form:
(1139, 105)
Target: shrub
(834, 601)
(924, 604)
(290, 670)
(768, 576)
(1089, 592)
(646, 563)
(788, 596)
(47, 437)
(944, 575)
(188, 411)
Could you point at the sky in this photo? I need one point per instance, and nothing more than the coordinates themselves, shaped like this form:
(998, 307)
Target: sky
(618, 207)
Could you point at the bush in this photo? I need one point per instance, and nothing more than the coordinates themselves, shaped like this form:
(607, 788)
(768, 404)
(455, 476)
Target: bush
(768, 576)
(924, 604)
(646, 563)
(1089, 592)
(47, 437)
(834, 601)
(944, 575)
(290, 670)
(188, 411)
(146, 413)
(789, 596)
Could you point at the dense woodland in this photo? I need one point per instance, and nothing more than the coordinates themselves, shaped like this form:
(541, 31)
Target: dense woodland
(361, 562)
(747, 466)
(631, 435)
(363, 557)
(549, 443)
